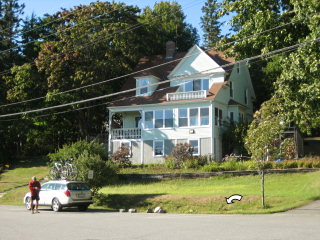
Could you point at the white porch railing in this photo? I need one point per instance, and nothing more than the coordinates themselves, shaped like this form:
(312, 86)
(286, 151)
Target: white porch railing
(126, 133)
(186, 95)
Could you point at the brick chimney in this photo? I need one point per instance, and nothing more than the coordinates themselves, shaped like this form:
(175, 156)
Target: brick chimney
(170, 49)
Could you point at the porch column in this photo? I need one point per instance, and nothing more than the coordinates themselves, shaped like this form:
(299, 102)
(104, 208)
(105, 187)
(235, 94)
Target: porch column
(109, 135)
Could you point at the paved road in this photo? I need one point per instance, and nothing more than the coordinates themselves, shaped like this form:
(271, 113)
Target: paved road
(16, 223)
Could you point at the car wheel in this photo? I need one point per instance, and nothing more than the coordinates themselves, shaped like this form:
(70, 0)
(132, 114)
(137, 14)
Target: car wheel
(83, 208)
(56, 205)
(28, 203)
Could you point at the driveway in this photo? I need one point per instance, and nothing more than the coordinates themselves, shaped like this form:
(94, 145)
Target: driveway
(18, 223)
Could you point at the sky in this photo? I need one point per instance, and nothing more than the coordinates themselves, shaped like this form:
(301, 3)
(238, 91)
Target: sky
(191, 8)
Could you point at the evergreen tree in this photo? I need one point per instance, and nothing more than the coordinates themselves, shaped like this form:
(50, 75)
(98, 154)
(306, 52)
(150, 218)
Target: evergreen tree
(210, 23)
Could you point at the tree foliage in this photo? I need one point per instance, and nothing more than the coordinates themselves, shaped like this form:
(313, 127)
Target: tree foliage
(166, 22)
(210, 23)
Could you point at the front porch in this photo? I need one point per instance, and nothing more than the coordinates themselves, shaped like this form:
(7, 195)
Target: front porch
(125, 125)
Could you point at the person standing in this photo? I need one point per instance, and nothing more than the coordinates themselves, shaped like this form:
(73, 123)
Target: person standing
(34, 187)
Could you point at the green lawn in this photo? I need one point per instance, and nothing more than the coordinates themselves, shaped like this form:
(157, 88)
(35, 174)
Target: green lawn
(21, 174)
(283, 192)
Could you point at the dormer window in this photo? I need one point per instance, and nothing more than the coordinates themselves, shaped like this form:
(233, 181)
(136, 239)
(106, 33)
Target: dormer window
(141, 83)
(196, 85)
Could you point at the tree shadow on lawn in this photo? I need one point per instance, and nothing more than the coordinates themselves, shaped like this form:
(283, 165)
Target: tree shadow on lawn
(123, 201)
(29, 162)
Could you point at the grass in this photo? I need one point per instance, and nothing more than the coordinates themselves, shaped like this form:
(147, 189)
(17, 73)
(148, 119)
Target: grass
(21, 174)
(283, 192)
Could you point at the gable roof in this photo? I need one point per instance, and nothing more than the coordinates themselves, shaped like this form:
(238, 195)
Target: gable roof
(165, 66)
(221, 59)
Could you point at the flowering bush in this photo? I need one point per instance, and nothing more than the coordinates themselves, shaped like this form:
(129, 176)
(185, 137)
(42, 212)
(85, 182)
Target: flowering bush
(121, 157)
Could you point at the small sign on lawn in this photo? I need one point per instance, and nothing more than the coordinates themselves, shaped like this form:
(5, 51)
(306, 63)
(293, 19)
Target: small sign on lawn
(90, 174)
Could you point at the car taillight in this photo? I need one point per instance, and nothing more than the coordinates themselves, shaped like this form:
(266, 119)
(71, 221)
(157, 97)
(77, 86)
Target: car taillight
(67, 193)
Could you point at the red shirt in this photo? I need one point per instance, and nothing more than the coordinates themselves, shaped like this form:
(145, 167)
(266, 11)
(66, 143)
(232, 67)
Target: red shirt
(32, 186)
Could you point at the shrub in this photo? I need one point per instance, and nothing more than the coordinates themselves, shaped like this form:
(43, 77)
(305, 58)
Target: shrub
(316, 164)
(307, 164)
(211, 167)
(103, 172)
(288, 148)
(249, 165)
(121, 157)
(170, 163)
(74, 150)
(191, 163)
(181, 152)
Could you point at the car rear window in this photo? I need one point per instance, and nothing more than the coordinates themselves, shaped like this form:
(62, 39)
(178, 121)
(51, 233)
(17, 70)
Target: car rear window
(77, 186)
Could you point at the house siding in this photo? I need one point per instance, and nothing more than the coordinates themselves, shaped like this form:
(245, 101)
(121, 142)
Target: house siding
(148, 153)
(205, 146)
(135, 150)
(168, 147)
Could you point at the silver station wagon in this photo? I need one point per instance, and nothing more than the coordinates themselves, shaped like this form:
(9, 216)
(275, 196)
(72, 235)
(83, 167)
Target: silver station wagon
(62, 193)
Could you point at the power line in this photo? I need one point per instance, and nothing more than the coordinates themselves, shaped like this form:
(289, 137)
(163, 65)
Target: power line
(127, 98)
(127, 75)
(155, 84)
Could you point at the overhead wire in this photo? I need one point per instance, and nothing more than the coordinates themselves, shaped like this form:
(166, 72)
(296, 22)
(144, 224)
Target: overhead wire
(132, 97)
(155, 84)
(132, 73)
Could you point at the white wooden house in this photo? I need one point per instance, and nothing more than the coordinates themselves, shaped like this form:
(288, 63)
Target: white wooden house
(190, 96)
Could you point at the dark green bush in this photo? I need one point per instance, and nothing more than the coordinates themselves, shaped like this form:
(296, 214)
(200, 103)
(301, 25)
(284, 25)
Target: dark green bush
(211, 167)
(74, 150)
(103, 172)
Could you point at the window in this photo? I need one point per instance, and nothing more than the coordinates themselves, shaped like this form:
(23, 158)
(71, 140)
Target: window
(148, 119)
(193, 116)
(158, 123)
(231, 89)
(44, 187)
(196, 85)
(195, 145)
(158, 148)
(238, 68)
(217, 116)
(168, 118)
(246, 96)
(141, 83)
(241, 117)
(158, 119)
(204, 116)
(205, 84)
(183, 117)
(231, 116)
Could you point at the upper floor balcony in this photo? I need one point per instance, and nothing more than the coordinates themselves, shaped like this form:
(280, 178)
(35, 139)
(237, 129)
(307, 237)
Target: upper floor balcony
(186, 95)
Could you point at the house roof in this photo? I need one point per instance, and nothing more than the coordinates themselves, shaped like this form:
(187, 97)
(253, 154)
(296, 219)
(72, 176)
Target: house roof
(221, 59)
(165, 66)
(233, 102)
